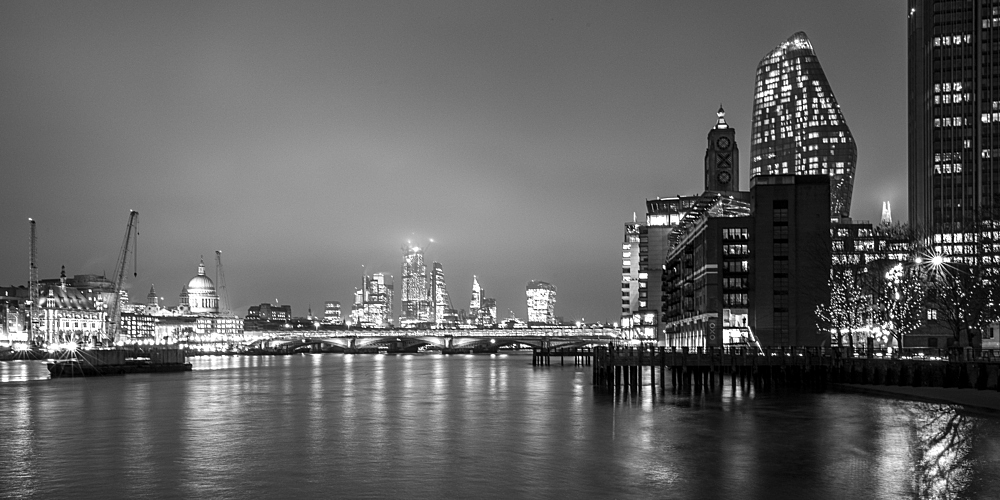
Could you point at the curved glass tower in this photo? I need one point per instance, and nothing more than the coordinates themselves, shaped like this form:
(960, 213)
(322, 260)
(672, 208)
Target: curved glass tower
(797, 125)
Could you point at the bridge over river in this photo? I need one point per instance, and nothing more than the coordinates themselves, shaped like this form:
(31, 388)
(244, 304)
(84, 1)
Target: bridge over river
(450, 340)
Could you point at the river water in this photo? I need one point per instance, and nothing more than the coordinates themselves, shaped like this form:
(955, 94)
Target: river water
(467, 426)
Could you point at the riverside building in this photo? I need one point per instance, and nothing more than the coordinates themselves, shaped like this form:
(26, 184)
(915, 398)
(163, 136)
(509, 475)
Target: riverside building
(647, 244)
(747, 268)
(954, 134)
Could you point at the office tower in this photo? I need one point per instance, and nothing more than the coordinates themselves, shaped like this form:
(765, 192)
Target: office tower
(332, 314)
(954, 133)
(376, 302)
(477, 298)
(415, 296)
(541, 302)
(358, 306)
(444, 315)
(487, 314)
(797, 127)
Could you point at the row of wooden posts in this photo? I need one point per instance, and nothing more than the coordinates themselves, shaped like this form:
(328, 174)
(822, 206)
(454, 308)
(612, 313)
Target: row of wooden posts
(581, 356)
(619, 367)
(626, 368)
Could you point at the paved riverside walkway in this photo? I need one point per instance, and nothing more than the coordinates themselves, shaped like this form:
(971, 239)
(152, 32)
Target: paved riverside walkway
(971, 398)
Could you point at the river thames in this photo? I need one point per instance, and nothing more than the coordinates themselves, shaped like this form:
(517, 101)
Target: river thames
(467, 426)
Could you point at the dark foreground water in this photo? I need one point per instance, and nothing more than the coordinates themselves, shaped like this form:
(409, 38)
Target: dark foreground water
(432, 426)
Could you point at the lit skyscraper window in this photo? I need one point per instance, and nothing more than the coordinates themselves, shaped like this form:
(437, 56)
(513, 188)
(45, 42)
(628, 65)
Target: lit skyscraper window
(797, 124)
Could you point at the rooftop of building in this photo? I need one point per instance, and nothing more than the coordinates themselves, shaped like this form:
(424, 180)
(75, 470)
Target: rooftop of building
(798, 42)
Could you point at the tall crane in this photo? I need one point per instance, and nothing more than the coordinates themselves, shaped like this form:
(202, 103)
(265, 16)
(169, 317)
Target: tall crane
(34, 291)
(220, 280)
(115, 310)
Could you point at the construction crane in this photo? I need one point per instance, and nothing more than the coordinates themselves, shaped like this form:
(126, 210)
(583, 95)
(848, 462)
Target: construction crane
(220, 281)
(115, 310)
(34, 291)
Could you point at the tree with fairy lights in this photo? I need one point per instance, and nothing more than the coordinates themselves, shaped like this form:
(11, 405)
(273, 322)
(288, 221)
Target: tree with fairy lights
(849, 307)
(900, 303)
(964, 297)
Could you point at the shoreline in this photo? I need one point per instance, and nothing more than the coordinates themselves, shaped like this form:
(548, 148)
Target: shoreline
(973, 399)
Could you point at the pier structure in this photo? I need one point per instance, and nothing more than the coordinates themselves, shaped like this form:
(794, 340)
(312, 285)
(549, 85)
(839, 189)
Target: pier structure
(117, 361)
(625, 368)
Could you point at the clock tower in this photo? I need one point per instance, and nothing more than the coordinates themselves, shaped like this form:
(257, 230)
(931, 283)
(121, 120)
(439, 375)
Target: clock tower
(722, 158)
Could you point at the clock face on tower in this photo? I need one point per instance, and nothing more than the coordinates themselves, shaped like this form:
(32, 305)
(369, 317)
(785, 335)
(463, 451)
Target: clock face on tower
(723, 177)
(723, 143)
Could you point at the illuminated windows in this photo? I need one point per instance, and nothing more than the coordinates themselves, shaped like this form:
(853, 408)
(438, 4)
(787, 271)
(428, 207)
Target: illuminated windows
(541, 302)
(803, 131)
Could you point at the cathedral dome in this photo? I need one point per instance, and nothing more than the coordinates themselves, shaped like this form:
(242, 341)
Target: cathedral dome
(200, 284)
(199, 296)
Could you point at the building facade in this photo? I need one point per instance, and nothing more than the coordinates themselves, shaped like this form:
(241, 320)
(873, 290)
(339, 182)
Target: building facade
(954, 134)
(706, 284)
(797, 125)
(631, 319)
(486, 316)
(477, 298)
(376, 302)
(790, 269)
(73, 310)
(13, 315)
(332, 313)
(541, 302)
(662, 217)
(445, 316)
(739, 277)
(415, 296)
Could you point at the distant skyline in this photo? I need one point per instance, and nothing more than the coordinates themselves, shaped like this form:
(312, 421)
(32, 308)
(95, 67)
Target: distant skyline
(306, 139)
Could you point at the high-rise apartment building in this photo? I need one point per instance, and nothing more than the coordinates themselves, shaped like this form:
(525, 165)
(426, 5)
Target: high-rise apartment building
(541, 302)
(797, 126)
(415, 296)
(954, 127)
(631, 320)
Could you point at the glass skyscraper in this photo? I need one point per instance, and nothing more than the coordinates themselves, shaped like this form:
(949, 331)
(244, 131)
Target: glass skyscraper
(444, 314)
(954, 120)
(415, 296)
(797, 124)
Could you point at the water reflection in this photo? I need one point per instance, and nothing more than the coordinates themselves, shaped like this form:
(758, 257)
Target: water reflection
(436, 426)
(941, 446)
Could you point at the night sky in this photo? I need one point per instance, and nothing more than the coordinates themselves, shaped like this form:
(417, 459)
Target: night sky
(308, 139)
